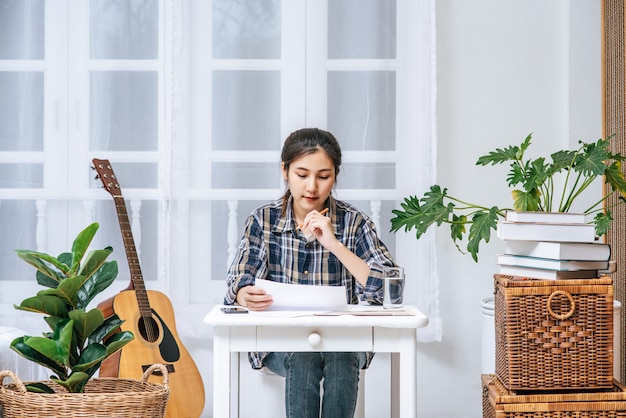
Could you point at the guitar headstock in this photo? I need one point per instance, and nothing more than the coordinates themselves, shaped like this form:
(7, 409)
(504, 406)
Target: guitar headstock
(107, 176)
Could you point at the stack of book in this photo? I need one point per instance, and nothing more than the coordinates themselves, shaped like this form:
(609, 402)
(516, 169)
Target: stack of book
(551, 246)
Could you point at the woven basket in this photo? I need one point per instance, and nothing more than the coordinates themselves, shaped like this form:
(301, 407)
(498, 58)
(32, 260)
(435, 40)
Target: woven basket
(499, 402)
(554, 335)
(102, 398)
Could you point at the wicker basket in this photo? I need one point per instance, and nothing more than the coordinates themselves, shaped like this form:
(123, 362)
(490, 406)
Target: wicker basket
(554, 335)
(499, 402)
(102, 398)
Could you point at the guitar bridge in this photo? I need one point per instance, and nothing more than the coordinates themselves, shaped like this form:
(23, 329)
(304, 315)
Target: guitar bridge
(168, 366)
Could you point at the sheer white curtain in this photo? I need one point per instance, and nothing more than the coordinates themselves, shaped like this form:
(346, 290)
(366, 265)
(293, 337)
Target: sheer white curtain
(190, 101)
(21, 126)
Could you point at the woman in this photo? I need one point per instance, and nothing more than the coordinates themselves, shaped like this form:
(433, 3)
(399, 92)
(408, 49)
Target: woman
(292, 240)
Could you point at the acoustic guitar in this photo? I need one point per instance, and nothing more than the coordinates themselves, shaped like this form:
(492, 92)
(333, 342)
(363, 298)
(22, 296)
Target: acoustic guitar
(150, 316)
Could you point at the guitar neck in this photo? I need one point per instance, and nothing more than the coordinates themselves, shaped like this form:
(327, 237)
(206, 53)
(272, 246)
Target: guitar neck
(136, 277)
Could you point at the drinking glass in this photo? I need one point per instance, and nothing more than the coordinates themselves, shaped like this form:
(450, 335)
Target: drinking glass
(393, 287)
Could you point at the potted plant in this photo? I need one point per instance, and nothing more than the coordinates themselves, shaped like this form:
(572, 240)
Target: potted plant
(535, 189)
(79, 339)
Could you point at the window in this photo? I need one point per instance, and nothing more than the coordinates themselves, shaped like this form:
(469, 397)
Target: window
(190, 102)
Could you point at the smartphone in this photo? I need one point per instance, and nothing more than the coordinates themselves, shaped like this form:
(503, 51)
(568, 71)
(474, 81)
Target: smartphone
(234, 309)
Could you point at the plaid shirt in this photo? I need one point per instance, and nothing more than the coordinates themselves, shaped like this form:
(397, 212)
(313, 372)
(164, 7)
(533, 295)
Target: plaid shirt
(273, 248)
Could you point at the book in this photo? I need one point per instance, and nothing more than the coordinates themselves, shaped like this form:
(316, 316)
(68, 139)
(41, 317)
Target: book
(536, 231)
(612, 268)
(551, 264)
(559, 250)
(545, 217)
(543, 274)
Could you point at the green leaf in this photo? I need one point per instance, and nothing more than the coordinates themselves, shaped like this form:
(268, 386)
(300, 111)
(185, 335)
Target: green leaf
(536, 174)
(56, 349)
(44, 264)
(614, 176)
(422, 213)
(52, 322)
(47, 281)
(19, 346)
(44, 304)
(95, 259)
(66, 290)
(38, 387)
(75, 383)
(85, 323)
(96, 283)
(457, 227)
(413, 216)
(117, 341)
(65, 258)
(591, 162)
(81, 244)
(108, 328)
(526, 201)
(602, 222)
(90, 357)
(433, 204)
(517, 175)
(480, 230)
(524, 146)
(561, 160)
(499, 156)
(503, 155)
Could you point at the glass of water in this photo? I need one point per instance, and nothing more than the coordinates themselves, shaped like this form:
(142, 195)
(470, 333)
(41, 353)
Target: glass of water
(393, 287)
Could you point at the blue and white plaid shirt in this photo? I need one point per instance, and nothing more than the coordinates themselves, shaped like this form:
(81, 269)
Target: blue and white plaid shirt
(274, 248)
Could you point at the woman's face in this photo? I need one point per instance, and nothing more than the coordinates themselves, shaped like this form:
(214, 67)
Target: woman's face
(310, 179)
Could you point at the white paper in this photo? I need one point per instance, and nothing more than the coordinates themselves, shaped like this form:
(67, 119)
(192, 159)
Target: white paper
(300, 297)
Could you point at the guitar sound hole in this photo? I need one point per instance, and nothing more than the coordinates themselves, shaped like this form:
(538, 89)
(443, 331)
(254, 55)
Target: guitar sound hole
(149, 329)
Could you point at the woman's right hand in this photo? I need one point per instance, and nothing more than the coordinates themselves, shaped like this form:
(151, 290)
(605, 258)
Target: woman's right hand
(254, 298)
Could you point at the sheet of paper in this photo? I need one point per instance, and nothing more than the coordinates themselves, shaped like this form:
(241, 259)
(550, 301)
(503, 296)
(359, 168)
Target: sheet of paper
(299, 297)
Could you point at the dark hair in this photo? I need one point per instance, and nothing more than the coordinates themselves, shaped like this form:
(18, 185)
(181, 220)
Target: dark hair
(307, 141)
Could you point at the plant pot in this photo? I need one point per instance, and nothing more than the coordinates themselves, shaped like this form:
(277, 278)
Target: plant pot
(103, 398)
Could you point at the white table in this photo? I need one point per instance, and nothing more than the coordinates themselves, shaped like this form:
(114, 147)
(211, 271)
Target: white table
(305, 331)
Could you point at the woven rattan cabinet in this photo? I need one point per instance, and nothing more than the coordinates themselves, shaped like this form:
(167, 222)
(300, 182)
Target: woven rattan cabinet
(554, 334)
(554, 350)
(500, 402)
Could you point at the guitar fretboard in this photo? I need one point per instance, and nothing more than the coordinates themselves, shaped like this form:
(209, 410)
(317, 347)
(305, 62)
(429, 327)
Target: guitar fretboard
(133, 260)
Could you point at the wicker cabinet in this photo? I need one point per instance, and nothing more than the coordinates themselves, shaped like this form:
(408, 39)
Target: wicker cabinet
(500, 402)
(554, 350)
(554, 335)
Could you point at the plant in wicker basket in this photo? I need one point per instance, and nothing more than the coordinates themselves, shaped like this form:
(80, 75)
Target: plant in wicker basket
(536, 190)
(79, 339)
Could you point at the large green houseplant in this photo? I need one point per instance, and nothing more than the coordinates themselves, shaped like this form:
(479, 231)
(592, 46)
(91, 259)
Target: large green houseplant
(536, 188)
(79, 339)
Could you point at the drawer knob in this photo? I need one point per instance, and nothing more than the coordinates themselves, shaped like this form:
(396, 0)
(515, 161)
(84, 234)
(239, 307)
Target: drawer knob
(315, 339)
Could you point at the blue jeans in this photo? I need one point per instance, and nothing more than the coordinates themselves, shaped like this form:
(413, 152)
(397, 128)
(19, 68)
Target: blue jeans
(303, 373)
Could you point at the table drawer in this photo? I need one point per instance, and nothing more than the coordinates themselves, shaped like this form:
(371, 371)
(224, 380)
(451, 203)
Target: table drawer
(314, 339)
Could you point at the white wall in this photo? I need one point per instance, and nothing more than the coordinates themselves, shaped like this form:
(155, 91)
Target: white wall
(506, 68)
